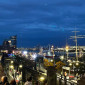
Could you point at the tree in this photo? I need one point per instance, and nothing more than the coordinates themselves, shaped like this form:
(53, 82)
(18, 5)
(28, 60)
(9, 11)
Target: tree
(59, 65)
(47, 63)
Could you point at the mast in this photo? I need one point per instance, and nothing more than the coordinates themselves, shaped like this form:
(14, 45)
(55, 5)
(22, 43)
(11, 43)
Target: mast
(75, 39)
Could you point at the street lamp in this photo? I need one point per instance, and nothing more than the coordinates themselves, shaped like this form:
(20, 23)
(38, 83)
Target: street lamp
(20, 66)
(42, 78)
(69, 61)
(12, 62)
(11, 66)
(52, 49)
(77, 64)
(51, 60)
(70, 64)
(62, 58)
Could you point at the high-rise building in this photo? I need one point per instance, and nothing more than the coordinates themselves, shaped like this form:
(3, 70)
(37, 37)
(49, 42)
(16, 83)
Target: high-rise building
(6, 43)
(10, 43)
(13, 41)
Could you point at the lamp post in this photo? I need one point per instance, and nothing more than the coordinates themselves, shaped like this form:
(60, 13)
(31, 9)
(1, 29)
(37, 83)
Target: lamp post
(70, 64)
(11, 67)
(11, 72)
(41, 80)
(65, 74)
(77, 64)
(52, 49)
(51, 70)
(20, 66)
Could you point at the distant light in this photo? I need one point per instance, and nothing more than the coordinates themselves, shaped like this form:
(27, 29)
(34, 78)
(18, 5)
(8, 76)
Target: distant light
(70, 64)
(34, 56)
(61, 57)
(12, 62)
(52, 46)
(77, 63)
(12, 66)
(67, 48)
(73, 61)
(51, 60)
(9, 41)
(13, 51)
(20, 66)
(69, 60)
(24, 52)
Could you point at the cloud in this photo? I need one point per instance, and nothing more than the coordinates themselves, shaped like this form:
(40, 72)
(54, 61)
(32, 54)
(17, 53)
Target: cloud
(31, 16)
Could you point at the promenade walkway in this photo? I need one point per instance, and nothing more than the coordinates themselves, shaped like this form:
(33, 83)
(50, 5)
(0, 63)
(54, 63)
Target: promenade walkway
(1, 71)
(82, 81)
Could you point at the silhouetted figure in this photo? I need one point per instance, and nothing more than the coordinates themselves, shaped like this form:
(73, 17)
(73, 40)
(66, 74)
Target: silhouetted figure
(65, 80)
(45, 82)
(29, 81)
(59, 81)
(13, 82)
(36, 83)
(4, 80)
(6, 83)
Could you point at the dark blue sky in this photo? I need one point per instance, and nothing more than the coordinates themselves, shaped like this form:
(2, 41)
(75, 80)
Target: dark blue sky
(41, 21)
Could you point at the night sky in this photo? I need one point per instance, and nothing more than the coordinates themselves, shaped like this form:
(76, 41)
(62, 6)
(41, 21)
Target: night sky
(42, 22)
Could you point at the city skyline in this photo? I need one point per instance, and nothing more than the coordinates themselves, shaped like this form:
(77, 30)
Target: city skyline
(41, 22)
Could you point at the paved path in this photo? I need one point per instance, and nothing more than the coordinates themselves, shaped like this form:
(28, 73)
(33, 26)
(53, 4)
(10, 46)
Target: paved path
(1, 71)
(82, 81)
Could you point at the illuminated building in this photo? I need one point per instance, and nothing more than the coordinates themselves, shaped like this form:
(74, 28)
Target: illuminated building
(9, 44)
(13, 41)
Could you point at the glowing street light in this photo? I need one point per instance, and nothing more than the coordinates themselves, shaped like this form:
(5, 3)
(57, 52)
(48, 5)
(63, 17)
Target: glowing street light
(52, 46)
(51, 60)
(20, 66)
(77, 63)
(69, 61)
(62, 57)
(12, 62)
(11, 66)
(42, 79)
(70, 64)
